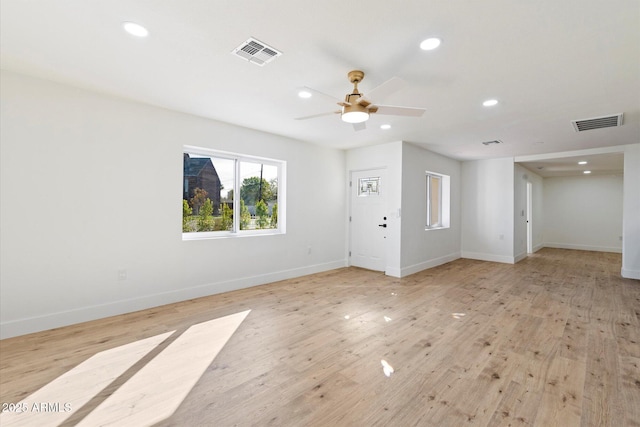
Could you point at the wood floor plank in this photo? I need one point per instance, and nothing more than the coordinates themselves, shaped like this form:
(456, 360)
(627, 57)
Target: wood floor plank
(603, 398)
(561, 402)
(553, 340)
(630, 389)
(518, 407)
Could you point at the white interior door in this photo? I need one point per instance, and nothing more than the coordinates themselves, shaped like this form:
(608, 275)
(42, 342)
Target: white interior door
(368, 219)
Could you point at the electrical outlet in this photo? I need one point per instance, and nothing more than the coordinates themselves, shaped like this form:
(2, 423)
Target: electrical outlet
(122, 274)
(308, 250)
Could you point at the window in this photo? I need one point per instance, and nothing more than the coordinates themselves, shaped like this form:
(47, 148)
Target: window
(438, 205)
(369, 186)
(227, 194)
(434, 200)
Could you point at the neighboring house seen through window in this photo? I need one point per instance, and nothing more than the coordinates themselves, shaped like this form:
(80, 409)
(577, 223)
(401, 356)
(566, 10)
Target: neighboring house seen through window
(227, 194)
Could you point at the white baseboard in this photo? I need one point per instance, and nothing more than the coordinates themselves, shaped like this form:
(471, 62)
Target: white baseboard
(28, 325)
(412, 269)
(489, 257)
(536, 248)
(393, 272)
(583, 247)
(519, 257)
(630, 274)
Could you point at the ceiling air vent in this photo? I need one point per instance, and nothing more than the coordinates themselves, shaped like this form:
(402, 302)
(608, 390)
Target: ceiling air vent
(597, 123)
(497, 141)
(256, 52)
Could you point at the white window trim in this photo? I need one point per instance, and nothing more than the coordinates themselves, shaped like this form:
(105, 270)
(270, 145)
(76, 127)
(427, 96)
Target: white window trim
(281, 165)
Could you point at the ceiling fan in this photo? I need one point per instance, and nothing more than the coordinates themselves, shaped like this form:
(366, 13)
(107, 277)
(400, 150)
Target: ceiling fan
(356, 108)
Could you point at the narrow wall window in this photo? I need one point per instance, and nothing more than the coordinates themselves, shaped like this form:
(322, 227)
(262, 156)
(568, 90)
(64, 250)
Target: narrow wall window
(434, 202)
(438, 196)
(227, 194)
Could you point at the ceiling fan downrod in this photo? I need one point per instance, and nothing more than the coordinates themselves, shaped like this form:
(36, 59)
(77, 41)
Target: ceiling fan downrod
(355, 77)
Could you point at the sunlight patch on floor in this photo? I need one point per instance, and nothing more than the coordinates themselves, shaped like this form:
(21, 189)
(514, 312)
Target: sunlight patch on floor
(58, 400)
(151, 395)
(157, 390)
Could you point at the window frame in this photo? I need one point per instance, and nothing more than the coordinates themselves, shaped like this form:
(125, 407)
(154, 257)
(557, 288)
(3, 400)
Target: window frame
(238, 159)
(444, 201)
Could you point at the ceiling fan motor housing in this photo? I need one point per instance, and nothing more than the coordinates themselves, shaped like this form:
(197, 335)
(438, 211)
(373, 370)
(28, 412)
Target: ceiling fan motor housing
(352, 98)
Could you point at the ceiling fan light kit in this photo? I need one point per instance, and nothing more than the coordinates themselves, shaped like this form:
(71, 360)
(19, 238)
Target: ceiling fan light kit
(354, 116)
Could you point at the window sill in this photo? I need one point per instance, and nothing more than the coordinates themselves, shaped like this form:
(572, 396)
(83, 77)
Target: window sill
(444, 227)
(218, 235)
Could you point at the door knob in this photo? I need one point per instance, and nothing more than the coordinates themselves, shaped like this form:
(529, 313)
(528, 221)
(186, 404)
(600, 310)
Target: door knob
(382, 225)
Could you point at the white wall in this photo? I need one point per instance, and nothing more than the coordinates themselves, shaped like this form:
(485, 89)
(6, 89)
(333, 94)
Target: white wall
(422, 248)
(583, 212)
(631, 213)
(92, 184)
(488, 210)
(384, 156)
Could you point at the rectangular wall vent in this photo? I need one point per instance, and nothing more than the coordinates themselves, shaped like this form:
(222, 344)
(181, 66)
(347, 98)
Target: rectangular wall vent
(597, 123)
(256, 52)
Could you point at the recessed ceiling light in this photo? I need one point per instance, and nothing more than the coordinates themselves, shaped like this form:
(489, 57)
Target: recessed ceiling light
(430, 43)
(385, 127)
(583, 162)
(135, 29)
(305, 94)
(490, 102)
(586, 172)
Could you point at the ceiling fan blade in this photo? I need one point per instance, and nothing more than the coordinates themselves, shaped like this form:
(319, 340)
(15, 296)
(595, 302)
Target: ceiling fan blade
(385, 89)
(393, 110)
(317, 115)
(331, 98)
(359, 126)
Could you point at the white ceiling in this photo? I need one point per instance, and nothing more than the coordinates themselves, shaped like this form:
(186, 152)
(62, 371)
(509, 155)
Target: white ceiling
(597, 164)
(547, 61)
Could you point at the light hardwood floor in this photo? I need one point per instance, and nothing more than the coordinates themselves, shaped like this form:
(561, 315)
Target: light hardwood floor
(551, 341)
